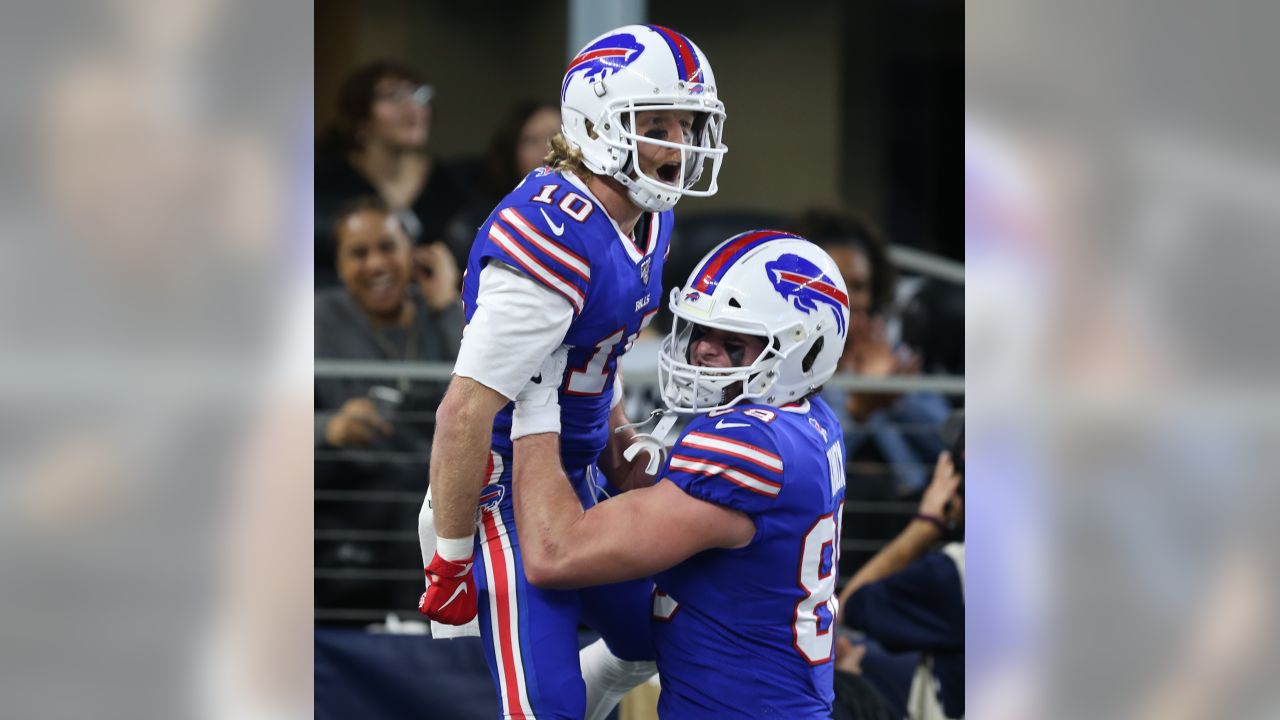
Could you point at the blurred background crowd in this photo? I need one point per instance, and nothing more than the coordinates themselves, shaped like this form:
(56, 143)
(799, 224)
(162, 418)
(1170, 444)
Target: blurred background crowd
(834, 133)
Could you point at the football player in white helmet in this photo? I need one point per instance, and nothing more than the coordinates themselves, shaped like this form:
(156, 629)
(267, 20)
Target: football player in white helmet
(572, 257)
(646, 119)
(727, 295)
(741, 534)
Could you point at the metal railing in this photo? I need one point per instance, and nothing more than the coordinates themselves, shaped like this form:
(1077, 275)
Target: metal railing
(927, 264)
(952, 385)
(859, 513)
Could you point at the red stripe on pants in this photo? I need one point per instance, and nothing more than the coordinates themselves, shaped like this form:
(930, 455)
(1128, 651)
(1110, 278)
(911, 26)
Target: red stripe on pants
(503, 621)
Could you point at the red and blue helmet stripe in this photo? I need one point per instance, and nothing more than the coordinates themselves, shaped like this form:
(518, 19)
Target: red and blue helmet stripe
(718, 263)
(687, 64)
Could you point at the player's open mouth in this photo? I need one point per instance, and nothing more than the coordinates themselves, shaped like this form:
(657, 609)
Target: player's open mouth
(669, 173)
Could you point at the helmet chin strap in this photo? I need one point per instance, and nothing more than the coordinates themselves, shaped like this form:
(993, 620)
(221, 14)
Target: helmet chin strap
(641, 194)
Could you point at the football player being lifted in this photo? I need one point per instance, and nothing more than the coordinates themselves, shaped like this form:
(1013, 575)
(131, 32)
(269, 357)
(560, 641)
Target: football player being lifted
(572, 257)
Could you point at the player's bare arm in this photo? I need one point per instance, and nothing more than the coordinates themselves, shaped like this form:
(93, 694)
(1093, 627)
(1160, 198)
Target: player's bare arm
(919, 535)
(464, 428)
(463, 432)
(631, 536)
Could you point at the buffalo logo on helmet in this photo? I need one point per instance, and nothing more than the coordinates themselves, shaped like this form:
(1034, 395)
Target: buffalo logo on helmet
(692, 296)
(602, 58)
(804, 285)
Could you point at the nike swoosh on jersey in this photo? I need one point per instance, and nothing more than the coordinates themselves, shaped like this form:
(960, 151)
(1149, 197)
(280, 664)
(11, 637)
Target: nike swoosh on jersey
(557, 229)
(726, 424)
(462, 587)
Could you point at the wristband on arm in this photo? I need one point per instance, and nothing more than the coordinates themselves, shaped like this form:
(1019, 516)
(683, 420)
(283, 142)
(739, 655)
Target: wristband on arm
(455, 549)
(937, 521)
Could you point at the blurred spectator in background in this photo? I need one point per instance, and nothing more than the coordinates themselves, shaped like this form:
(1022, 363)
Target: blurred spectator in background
(861, 255)
(377, 146)
(902, 431)
(858, 698)
(909, 598)
(518, 147)
(933, 324)
(376, 434)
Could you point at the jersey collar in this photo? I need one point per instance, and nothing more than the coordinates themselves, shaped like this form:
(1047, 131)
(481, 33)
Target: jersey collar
(633, 252)
(801, 407)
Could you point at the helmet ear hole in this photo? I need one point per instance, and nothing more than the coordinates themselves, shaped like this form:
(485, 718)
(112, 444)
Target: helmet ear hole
(807, 363)
(733, 302)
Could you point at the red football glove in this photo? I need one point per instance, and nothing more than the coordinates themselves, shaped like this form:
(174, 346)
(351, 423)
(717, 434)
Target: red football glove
(451, 599)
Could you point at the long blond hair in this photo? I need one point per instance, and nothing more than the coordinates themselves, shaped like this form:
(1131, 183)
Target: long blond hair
(565, 155)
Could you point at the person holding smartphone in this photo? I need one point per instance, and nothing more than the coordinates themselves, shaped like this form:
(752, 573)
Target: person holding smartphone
(909, 598)
(395, 304)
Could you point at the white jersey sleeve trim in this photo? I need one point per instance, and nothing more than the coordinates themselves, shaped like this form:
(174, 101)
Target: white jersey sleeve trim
(517, 323)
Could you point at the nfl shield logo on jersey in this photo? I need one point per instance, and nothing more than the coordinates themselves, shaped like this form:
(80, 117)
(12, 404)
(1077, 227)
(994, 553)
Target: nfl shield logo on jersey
(645, 265)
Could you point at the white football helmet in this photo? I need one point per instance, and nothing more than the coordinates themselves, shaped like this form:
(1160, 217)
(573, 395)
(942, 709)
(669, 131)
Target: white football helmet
(774, 285)
(633, 69)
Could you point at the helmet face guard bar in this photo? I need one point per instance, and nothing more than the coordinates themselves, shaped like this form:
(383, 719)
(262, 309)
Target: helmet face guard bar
(706, 145)
(690, 388)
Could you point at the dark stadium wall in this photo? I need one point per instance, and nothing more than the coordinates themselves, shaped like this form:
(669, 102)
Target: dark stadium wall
(778, 68)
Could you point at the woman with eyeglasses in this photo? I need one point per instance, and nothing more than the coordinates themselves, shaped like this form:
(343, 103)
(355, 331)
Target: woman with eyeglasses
(377, 146)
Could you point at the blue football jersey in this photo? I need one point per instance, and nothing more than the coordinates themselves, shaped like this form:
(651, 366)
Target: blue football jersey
(748, 632)
(551, 228)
